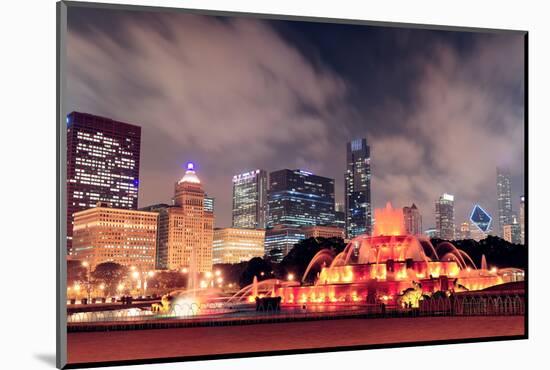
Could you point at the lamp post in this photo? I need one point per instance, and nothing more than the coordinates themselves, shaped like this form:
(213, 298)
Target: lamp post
(141, 278)
(86, 264)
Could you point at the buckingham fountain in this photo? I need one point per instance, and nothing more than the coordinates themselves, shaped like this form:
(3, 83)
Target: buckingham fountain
(389, 266)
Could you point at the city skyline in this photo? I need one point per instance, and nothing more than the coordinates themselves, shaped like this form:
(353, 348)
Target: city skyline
(319, 99)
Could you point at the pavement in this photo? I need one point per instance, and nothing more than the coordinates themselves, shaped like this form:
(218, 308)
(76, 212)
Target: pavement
(87, 347)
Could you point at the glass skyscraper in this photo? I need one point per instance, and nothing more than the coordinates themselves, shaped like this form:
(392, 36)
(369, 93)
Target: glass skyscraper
(209, 203)
(445, 217)
(102, 164)
(358, 206)
(280, 239)
(250, 200)
(504, 199)
(299, 198)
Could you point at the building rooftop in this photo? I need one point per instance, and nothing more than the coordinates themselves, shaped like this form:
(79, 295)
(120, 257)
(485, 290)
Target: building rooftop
(190, 175)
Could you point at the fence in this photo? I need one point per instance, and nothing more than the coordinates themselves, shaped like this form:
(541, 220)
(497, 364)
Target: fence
(474, 305)
(194, 314)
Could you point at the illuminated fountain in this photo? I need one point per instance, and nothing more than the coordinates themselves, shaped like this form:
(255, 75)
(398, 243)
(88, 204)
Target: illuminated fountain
(383, 268)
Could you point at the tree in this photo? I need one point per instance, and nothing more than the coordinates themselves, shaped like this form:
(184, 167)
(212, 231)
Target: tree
(273, 254)
(76, 273)
(231, 272)
(110, 274)
(255, 267)
(167, 280)
(497, 251)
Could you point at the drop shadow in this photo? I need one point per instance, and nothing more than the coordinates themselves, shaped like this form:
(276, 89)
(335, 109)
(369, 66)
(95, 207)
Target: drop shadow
(47, 358)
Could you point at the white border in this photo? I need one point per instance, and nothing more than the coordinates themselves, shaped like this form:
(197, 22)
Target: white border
(28, 174)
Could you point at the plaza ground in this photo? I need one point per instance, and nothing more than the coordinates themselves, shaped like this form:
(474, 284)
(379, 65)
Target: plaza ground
(84, 347)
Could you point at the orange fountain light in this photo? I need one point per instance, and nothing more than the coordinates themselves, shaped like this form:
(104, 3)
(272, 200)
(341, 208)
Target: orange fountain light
(389, 221)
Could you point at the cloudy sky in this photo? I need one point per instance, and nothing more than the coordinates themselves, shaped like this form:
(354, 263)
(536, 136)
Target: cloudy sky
(440, 109)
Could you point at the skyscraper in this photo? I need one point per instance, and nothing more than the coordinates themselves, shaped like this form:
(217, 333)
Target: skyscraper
(358, 189)
(522, 219)
(413, 220)
(250, 200)
(504, 198)
(102, 164)
(190, 230)
(512, 232)
(444, 217)
(300, 198)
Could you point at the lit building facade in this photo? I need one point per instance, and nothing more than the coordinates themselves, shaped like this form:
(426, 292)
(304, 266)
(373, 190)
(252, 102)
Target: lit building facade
(250, 200)
(431, 233)
(340, 216)
(103, 158)
(234, 245)
(323, 232)
(358, 206)
(512, 232)
(280, 239)
(161, 259)
(209, 203)
(299, 198)
(522, 219)
(413, 220)
(445, 217)
(464, 231)
(190, 226)
(476, 233)
(504, 198)
(105, 234)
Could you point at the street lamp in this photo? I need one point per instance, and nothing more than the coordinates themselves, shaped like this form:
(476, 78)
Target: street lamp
(86, 264)
(290, 277)
(141, 278)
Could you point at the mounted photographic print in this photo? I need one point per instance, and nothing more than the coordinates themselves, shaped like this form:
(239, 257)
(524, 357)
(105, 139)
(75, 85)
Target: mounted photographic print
(235, 184)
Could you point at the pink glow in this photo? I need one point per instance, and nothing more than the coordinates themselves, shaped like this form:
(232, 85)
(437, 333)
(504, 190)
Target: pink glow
(389, 221)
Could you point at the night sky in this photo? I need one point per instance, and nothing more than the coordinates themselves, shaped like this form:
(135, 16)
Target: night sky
(440, 109)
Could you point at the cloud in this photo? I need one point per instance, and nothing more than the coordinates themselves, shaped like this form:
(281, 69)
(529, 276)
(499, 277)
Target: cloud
(232, 91)
(463, 120)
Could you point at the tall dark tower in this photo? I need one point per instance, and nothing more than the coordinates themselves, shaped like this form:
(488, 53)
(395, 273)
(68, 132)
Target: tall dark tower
(102, 164)
(358, 189)
(504, 198)
(300, 198)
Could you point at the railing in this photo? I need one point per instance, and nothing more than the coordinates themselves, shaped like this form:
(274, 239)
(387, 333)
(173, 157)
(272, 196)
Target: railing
(474, 305)
(194, 314)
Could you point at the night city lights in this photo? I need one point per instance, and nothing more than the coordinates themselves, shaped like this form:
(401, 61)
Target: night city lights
(238, 174)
